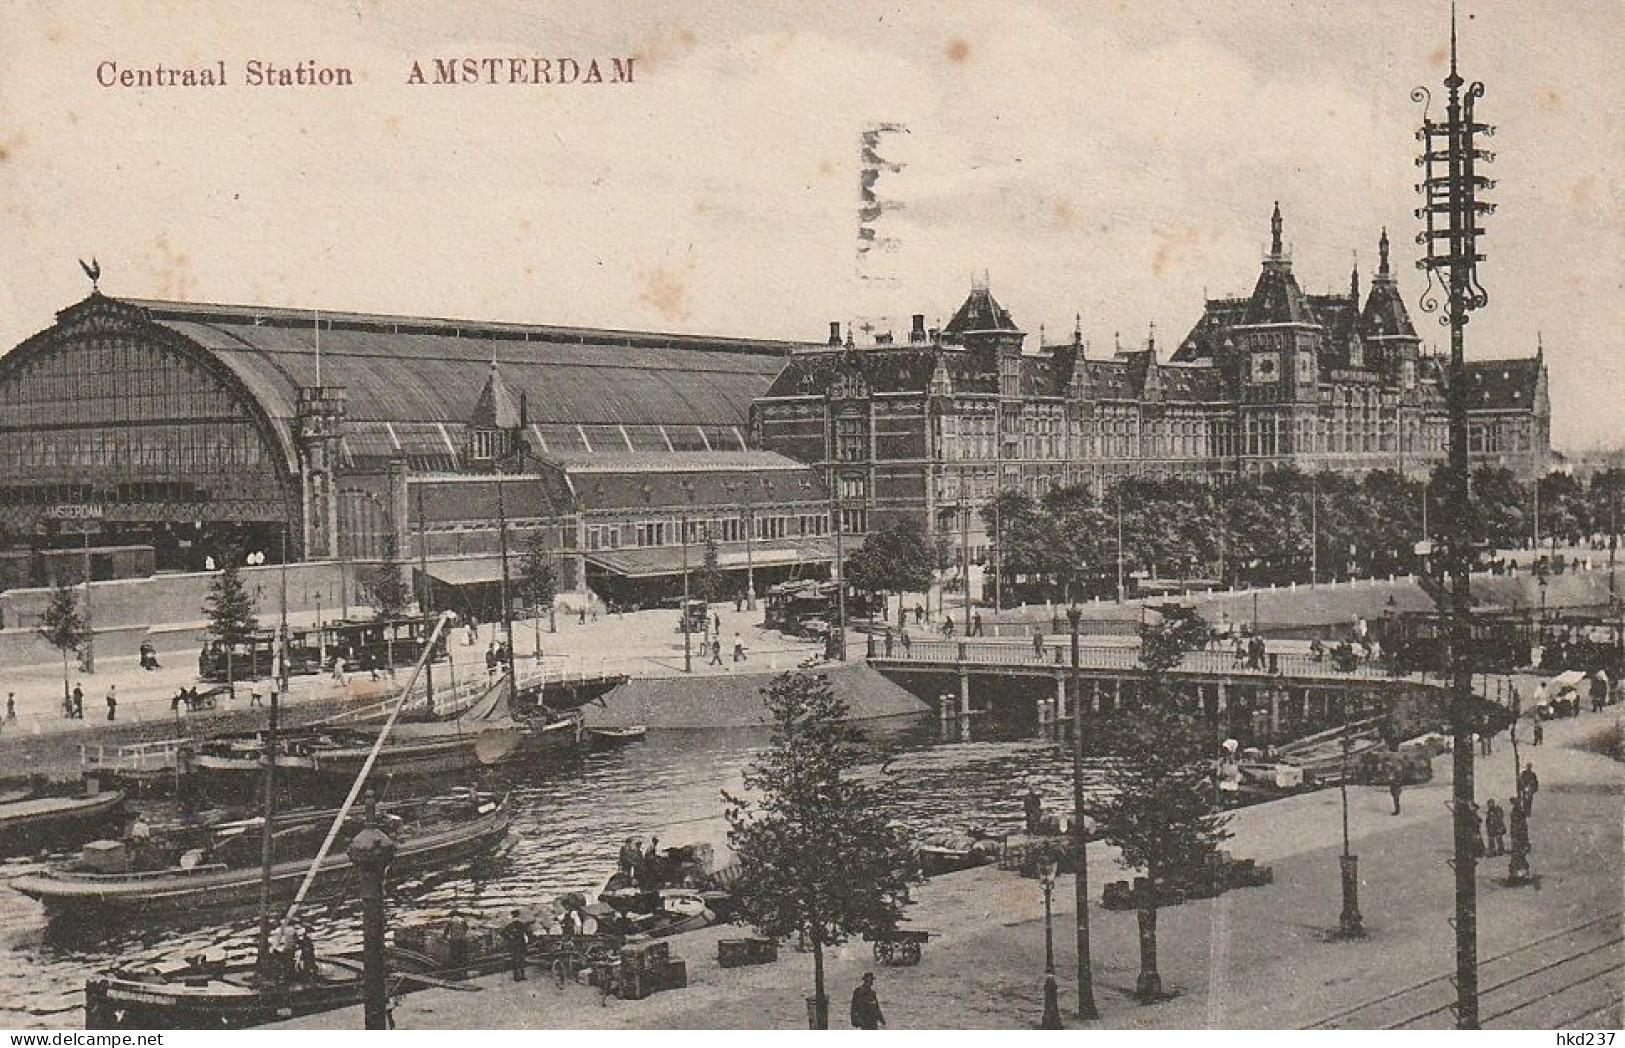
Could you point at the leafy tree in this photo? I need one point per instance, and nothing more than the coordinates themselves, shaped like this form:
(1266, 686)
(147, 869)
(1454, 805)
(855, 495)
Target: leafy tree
(539, 577)
(387, 592)
(710, 584)
(1082, 540)
(229, 608)
(1158, 809)
(1501, 509)
(385, 589)
(1606, 500)
(63, 627)
(819, 854)
(1564, 510)
(895, 558)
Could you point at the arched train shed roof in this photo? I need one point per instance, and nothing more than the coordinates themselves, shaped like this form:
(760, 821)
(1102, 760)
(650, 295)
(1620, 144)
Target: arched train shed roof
(419, 370)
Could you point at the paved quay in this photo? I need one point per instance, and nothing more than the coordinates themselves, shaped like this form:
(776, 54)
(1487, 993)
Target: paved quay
(1550, 953)
(644, 645)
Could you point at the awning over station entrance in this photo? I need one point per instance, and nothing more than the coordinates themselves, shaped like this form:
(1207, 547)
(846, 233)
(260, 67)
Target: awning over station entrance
(668, 560)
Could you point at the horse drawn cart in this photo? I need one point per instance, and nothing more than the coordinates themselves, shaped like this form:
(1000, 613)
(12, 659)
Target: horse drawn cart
(898, 948)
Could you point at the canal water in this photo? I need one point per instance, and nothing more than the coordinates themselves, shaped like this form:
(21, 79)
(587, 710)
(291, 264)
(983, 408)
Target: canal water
(571, 820)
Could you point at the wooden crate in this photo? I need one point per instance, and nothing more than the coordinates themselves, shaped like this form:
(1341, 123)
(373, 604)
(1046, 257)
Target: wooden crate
(737, 953)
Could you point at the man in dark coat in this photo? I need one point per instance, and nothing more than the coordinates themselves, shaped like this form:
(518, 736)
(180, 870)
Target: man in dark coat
(1528, 784)
(866, 1014)
(516, 934)
(1518, 868)
(1495, 825)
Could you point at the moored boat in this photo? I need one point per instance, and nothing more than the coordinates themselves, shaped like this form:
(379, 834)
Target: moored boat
(610, 738)
(116, 876)
(30, 815)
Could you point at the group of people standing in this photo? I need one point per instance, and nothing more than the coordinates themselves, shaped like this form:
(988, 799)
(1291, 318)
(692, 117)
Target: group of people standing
(73, 704)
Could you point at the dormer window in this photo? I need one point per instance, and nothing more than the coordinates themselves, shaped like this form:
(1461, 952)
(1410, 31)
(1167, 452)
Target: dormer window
(489, 444)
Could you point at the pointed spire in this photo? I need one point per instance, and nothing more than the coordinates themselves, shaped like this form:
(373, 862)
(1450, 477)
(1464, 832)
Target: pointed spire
(1077, 329)
(1453, 81)
(1275, 231)
(1382, 253)
(1151, 339)
(1354, 281)
(1540, 345)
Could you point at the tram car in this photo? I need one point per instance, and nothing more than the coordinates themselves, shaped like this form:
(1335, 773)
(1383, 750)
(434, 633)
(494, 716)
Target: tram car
(363, 644)
(1419, 641)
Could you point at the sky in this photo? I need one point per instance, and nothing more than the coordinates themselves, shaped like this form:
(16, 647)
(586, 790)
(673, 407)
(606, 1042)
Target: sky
(1107, 159)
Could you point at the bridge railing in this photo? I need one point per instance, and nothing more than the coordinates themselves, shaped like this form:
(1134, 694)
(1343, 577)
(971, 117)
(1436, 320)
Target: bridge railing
(1058, 654)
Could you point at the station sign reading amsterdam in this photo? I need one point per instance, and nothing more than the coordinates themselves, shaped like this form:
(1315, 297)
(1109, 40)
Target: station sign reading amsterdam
(77, 511)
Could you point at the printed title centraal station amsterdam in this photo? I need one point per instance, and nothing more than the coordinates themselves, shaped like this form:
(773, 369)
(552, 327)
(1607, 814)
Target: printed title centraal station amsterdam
(193, 428)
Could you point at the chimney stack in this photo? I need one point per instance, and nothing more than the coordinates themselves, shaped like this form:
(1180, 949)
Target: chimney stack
(835, 332)
(917, 332)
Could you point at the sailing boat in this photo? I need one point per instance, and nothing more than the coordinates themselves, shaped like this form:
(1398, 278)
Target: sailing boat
(217, 995)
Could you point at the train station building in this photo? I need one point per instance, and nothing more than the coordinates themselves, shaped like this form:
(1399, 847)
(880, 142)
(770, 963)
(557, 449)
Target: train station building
(177, 431)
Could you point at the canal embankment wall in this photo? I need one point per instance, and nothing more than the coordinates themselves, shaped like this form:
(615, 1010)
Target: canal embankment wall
(735, 700)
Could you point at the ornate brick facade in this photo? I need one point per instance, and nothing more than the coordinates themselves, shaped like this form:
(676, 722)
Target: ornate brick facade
(933, 427)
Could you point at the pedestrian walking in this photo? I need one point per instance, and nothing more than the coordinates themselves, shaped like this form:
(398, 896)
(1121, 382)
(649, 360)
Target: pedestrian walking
(919, 614)
(78, 711)
(1528, 786)
(582, 618)
(1478, 830)
(716, 624)
(1038, 643)
(1032, 807)
(947, 625)
(908, 644)
(1396, 783)
(716, 652)
(888, 637)
(976, 624)
(1495, 825)
(11, 705)
(739, 648)
(1518, 868)
(1485, 746)
(516, 934)
(112, 702)
(1540, 731)
(866, 1013)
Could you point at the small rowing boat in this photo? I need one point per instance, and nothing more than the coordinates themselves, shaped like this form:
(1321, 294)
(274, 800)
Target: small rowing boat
(610, 738)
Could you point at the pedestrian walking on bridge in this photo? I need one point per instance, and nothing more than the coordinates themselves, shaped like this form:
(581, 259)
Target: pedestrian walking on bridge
(112, 702)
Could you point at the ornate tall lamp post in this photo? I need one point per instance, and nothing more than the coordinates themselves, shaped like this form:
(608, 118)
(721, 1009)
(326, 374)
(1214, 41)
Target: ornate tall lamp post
(1450, 213)
(1080, 835)
(371, 852)
(1047, 869)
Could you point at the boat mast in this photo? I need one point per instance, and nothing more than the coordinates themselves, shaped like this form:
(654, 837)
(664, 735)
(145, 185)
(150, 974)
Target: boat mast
(267, 837)
(361, 777)
(507, 611)
(423, 601)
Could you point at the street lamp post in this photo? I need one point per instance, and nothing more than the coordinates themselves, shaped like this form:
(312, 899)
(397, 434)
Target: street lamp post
(1350, 925)
(371, 852)
(1052, 999)
(1119, 546)
(1080, 835)
(688, 640)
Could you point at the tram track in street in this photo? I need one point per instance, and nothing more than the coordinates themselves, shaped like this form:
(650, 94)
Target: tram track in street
(1568, 957)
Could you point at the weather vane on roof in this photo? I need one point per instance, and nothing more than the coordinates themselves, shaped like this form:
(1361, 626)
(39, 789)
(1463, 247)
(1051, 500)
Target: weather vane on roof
(93, 271)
